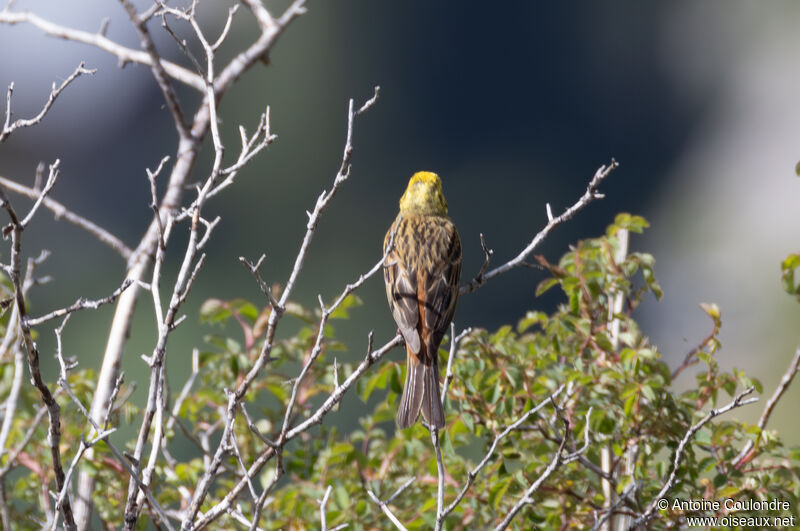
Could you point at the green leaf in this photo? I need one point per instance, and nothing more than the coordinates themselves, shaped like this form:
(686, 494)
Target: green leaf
(712, 310)
(298, 312)
(629, 402)
(788, 268)
(378, 380)
(468, 421)
(279, 391)
(530, 319)
(498, 490)
(545, 285)
(342, 497)
(343, 310)
(214, 311)
(245, 308)
(648, 392)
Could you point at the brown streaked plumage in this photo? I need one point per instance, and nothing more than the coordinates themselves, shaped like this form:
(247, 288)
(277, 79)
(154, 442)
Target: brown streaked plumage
(422, 275)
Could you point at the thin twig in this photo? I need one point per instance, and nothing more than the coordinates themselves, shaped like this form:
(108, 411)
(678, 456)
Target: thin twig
(53, 409)
(440, 472)
(122, 460)
(51, 182)
(607, 512)
(384, 505)
(747, 451)
(99, 40)
(80, 304)
(9, 127)
(159, 73)
(186, 154)
(473, 474)
(649, 513)
(322, 503)
(455, 340)
(558, 458)
(314, 217)
(264, 457)
(13, 454)
(60, 211)
(590, 195)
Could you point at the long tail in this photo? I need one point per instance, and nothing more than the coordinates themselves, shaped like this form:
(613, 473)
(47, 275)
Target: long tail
(420, 392)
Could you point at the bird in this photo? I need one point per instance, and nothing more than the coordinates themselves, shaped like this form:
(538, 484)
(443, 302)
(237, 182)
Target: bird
(422, 271)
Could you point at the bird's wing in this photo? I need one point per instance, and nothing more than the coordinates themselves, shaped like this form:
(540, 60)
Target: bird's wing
(401, 290)
(441, 289)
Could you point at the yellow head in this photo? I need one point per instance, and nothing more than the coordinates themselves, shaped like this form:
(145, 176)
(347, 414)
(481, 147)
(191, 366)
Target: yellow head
(424, 195)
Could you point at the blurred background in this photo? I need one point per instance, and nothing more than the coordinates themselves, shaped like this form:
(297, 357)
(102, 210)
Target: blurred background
(514, 106)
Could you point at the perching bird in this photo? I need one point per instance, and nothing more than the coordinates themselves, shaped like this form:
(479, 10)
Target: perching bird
(422, 273)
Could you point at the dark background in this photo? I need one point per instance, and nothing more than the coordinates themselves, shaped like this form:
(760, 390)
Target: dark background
(513, 104)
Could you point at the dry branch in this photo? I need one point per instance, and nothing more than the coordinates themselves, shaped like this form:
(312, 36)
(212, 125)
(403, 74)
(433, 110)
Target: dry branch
(9, 126)
(54, 410)
(671, 480)
(588, 196)
(747, 451)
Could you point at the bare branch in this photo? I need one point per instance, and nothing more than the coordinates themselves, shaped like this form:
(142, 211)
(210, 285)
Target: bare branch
(337, 394)
(315, 352)
(53, 409)
(51, 181)
(80, 304)
(325, 197)
(111, 399)
(315, 418)
(322, 202)
(166, 321)
(99, 40)
(157, 69)
(649, 513)
(265, 20)
(558, 458)
(182, 44)
(13, 454)
(487, 253)
(254, 428)
(252, 146)
(10, 404)
(275, 303)
(238, 454)
(384, 505)
(231, 11)
(12, 338)
(473, 474)
(590, 195)
(62, 495)
(60, 211)
(186, 156)
(239, 517)
(118, 456)
(748, 450)
(187, 387)
(454, 341)
(9, 127)
(440, 472)
(601, 522)
(322, 503)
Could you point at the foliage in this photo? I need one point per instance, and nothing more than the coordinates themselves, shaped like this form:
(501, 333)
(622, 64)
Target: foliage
(617, 381)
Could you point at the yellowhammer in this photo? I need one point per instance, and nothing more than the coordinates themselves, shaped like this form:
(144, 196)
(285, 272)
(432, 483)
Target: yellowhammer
(422, 274)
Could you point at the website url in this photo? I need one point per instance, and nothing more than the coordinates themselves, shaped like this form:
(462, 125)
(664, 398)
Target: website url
(741, 521)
